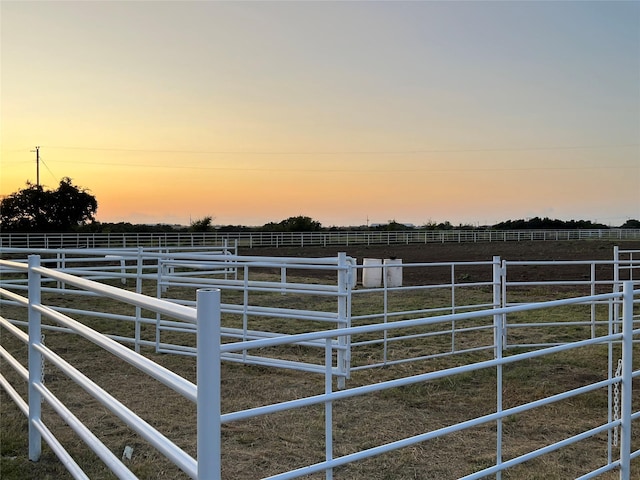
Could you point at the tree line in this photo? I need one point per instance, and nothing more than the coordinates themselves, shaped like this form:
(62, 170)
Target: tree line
(71, 208)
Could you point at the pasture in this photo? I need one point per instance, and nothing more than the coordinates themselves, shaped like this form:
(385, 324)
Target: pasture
(264, 446)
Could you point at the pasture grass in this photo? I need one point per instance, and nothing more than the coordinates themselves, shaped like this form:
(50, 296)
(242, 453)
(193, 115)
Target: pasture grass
(267, 445)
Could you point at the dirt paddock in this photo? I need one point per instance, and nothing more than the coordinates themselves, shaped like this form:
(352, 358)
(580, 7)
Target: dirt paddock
(469, 252)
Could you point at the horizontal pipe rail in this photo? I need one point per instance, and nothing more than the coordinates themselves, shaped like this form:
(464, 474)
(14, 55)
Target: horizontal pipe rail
(163, 375)
(163, 240)
(146, 431)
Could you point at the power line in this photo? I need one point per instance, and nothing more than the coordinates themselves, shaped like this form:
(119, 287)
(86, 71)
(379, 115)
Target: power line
(47, 166)
(347, 170)
(350, 152)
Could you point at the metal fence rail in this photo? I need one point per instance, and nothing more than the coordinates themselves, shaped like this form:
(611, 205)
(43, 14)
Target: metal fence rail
(211, 350)
(301, 239)
(623, 464)
(39, 393)
(348, 300)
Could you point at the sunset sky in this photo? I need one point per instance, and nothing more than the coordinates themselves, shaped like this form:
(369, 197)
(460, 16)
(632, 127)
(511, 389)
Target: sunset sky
(347, 112)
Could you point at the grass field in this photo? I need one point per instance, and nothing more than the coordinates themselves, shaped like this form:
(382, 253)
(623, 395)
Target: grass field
(268, 445)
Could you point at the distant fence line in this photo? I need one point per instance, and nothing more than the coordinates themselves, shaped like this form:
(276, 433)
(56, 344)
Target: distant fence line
(301, 239)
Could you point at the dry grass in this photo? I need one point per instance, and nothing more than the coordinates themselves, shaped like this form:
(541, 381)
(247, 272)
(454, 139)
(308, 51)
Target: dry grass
(271, 444)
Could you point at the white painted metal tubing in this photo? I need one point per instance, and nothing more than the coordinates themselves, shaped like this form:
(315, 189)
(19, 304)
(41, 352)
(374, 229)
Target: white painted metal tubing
(230, 347)
(208, 374)
(163, 375)
(87, 436)
(22, 405)
(256, 286)
(536, 453)
(282, 312)
(424, 377)
(146, 431)
(627, 380)
(20, 266)
(69, 463)
(363, 454)
(274, 362)
(14, 297)
(447, 353)
(16, 365)
(150, 303)
(328, 407)
(19, 334)
(599, 471)
(35, 359)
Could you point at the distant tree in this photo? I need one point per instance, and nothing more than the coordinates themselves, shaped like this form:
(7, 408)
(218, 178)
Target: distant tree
(446, 225)
(201, 225)
(127, 227)
(72, 205)
(536, 223)
(391, 225)
(234, 228)
(38, 210)
(294, 224)
(631, 223)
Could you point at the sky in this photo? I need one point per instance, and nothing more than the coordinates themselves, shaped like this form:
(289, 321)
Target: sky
(351, 113)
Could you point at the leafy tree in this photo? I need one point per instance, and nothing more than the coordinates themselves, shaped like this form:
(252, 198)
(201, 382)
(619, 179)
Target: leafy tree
(72, 205)
(392, 225)
(36, 209)
(631, 223)
(201, 225)
(547, 223)
(294, 224)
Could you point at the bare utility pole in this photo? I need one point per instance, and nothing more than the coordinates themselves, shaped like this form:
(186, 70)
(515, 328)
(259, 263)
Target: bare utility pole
(37, 150)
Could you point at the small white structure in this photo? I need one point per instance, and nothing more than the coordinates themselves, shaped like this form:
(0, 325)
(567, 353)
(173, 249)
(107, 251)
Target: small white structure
(372, 272)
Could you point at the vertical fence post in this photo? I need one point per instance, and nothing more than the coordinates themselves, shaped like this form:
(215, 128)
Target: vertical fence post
(208, 376)
(498, 335)
(503, 301)
(328, 407)
(616, 284)
(344, 319)
(593, 305)
(139, 271)
(35, 359)
(626, 381)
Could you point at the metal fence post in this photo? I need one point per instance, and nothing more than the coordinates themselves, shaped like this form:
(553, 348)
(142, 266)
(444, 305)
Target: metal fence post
(344, 319)
(208, 375)
(328, 407)
(498, 337)
(503, 301)
(626, 381)
(139, 272)
(497, 279)
(616, 285)
(35, 359)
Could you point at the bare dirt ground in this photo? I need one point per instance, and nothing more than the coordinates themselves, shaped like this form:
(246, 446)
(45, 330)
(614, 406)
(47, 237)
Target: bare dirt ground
(453, 252)
(582, 250)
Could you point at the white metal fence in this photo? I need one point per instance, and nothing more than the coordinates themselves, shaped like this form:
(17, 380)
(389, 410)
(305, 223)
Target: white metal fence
(485, 314)
(38, 353)
(301, 239)
(347, 300)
